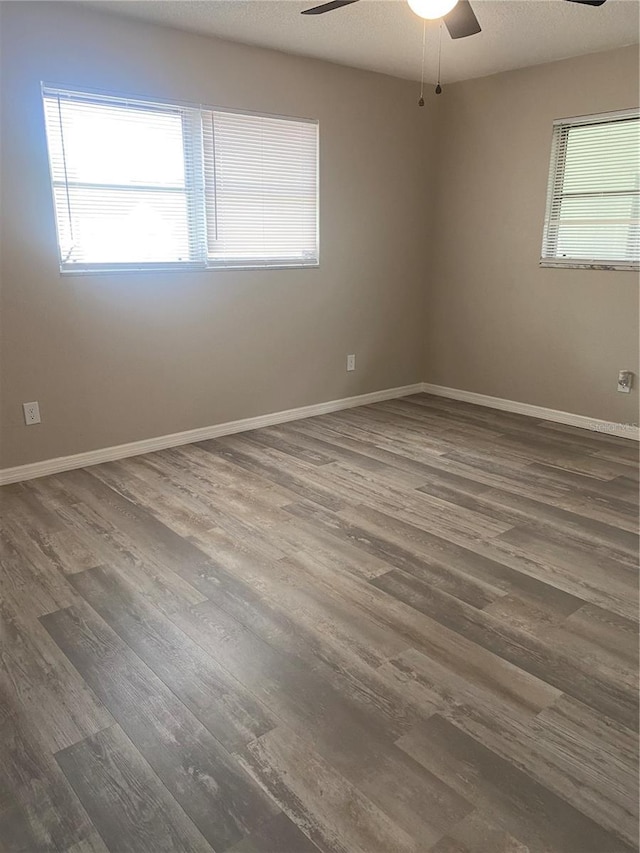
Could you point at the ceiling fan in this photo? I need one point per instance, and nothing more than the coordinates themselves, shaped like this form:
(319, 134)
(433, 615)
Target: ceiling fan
(458, 16)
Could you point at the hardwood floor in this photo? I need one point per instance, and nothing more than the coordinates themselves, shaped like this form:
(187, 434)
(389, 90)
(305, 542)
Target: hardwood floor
(406, 627)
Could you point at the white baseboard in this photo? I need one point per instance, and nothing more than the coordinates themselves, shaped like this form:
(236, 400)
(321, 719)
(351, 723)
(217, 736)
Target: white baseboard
(583, 421)
(148, 445)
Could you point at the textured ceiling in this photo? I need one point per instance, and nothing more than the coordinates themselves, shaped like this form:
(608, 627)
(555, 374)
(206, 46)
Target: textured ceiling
(384, 35)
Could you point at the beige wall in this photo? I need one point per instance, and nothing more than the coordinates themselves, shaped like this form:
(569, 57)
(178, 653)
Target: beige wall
(496, 322)
(119, 358)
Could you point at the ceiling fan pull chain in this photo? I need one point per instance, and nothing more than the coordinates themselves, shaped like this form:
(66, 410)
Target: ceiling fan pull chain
(439, 87)
(424, 37)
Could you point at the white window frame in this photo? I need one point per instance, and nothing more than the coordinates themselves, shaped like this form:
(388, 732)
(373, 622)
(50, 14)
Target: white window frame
(557, 161)
(194, 187)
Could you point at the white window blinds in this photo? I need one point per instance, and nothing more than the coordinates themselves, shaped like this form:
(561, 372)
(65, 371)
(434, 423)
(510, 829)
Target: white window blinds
(261, 184)
(120, 182)
(142, 185)
(593, 199)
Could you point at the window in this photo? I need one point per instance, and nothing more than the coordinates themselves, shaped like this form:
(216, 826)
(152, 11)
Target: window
(593, 199)
(140, 185)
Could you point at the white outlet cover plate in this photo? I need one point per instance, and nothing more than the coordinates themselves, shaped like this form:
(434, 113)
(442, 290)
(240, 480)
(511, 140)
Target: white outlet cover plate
(625, 387)
(31, 413)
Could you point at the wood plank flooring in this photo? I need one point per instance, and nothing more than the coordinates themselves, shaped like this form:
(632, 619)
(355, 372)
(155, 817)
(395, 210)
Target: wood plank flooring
(402, 628)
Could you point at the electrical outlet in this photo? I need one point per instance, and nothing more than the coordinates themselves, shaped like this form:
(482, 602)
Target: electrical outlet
(351, 362)
(625, 381)
(31, 413)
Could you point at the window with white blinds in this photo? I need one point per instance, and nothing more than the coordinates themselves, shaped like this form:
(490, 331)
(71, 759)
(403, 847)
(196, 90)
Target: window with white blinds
(593, 199)
(261, 187)
(142, 185)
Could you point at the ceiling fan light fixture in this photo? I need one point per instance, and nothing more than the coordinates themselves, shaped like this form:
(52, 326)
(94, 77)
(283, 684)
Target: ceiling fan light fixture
(431, 9)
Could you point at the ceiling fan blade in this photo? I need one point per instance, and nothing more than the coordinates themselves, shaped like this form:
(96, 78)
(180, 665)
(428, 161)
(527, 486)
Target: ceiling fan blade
(461, 21)
(328, 7)
(589, 2)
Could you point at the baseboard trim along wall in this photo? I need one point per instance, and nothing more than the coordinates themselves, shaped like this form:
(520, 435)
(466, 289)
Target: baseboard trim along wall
(161, 442)
(582, 421)
(148, 445)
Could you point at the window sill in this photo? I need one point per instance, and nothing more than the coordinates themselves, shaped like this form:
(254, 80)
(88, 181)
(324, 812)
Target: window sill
(601, 266)
(181, 268)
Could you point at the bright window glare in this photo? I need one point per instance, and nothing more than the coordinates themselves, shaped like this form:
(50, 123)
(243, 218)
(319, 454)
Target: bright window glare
(124, 169)
(111, 145)
(122, 227)
(140, 185)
